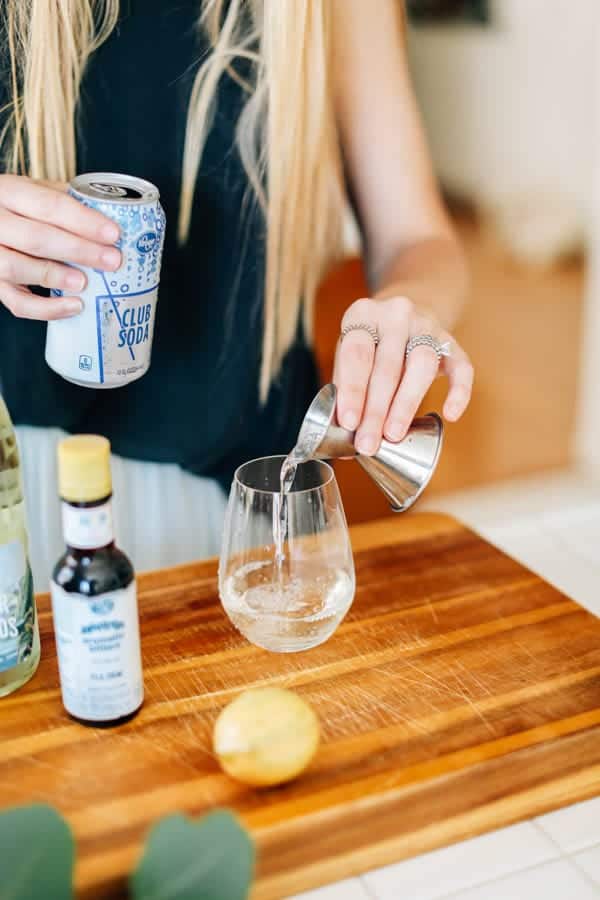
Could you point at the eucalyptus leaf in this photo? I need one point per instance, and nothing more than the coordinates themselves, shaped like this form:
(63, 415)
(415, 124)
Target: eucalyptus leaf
(185, 860)
(36, 854)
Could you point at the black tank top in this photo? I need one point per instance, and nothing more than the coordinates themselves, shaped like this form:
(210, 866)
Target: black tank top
(198, 405)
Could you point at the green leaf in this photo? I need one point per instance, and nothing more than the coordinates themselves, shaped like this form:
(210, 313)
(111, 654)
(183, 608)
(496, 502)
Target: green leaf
(184, 860)
(36, 854)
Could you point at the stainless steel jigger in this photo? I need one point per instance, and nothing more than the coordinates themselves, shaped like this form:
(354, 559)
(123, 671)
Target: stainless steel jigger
(402, 471)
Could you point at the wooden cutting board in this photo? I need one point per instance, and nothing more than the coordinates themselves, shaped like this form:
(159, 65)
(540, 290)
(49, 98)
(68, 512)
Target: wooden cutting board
(461, 693)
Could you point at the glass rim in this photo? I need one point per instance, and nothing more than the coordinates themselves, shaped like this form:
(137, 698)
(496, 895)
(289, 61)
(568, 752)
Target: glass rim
(321, 462)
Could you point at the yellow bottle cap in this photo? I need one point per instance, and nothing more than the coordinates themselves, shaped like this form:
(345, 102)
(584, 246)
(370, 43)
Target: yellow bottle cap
(84, 468)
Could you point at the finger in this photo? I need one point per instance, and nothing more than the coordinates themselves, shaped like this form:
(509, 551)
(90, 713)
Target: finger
(354, 362)
(419, 373)
(55, 185)
(48, 242)
(382, 387)
(25, 305)
(460, 375)
(20, 269)
(44, 203)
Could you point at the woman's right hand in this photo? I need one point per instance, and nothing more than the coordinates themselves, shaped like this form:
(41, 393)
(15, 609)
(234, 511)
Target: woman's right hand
(41, 229)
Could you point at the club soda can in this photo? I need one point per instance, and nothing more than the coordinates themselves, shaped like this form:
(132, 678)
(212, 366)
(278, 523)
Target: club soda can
(110, 342)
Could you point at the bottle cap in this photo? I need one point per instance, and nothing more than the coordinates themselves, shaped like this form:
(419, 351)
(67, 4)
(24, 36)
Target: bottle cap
(84, 468)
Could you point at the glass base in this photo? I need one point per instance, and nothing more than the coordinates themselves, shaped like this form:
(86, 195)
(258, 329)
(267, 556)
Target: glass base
(279, 643)
(288, 647)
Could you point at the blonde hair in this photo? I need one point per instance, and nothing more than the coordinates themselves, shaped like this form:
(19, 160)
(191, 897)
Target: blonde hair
(286, 135)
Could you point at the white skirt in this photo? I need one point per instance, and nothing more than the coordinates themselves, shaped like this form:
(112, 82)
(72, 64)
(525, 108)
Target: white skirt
(163, 515)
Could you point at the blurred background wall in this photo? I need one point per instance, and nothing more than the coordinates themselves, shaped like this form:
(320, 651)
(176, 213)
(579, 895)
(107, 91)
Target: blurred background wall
(508, 111)
(507, 89)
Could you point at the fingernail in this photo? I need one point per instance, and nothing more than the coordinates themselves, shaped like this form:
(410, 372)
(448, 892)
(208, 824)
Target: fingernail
(452, 412)
(395, 432)
(75, 281)
(350, 420)
(72, 307)
(110, 233)
(111, 259)
(367, 444)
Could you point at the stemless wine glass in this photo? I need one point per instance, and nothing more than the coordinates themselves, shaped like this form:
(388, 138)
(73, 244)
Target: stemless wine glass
(295, 600)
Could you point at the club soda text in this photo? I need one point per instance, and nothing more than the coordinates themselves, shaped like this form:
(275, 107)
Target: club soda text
(136, 322)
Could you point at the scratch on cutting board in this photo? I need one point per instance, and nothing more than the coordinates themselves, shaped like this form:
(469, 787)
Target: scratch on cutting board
(473, 677)
(412, 722)
(526, 650)
(481, 715)
(432, 610)
(441, 686)
(460, 691)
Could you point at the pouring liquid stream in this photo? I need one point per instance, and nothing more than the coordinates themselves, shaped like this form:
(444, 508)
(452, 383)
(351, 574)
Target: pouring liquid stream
(280, 506)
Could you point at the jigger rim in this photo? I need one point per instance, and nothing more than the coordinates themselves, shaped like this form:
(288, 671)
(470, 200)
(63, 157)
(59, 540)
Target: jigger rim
(329, 475)
(328, 391)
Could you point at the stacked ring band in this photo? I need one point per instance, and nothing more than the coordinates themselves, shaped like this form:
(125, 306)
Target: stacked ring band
(428, 340)
(361, 326)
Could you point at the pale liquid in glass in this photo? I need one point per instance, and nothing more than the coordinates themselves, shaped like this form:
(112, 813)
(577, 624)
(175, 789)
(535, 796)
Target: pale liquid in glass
(285, 611)
(281, 607)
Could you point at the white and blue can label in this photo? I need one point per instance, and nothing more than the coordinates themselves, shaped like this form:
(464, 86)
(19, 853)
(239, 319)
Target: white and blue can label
(109, 344)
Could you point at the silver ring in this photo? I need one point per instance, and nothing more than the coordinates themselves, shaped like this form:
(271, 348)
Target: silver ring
(428, 340)
(361, 326)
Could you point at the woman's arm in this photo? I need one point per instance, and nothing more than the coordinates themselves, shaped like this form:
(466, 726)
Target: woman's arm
(415, 264)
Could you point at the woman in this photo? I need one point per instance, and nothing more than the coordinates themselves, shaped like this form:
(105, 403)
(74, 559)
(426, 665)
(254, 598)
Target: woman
(251, 116)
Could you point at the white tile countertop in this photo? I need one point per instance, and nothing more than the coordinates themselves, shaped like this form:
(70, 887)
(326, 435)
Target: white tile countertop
(551, 523)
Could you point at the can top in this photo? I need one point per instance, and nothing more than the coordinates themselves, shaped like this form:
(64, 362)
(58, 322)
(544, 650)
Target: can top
(112, 187)
(84, 468)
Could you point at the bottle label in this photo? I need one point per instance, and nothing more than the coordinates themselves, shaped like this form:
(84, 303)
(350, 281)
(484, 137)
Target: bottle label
(17, 608)
(99, 658)
(89, 527)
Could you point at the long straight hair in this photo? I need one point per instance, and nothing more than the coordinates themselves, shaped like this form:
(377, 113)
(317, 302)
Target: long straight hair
(286, 134)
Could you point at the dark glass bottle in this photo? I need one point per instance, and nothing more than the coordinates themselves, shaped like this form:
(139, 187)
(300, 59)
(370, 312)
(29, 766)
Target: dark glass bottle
(94, 594)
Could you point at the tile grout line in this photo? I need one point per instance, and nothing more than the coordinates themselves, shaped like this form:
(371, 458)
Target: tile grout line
(587, 878)
(366, 888)
(572, 859)
(541, 830)
(565, 854)
(562, 856)
(503, 877)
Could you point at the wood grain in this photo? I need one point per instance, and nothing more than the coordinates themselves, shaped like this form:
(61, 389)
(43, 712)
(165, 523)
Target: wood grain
(461, 693)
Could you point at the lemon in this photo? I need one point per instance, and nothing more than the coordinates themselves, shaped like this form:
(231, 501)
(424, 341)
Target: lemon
(266, 736)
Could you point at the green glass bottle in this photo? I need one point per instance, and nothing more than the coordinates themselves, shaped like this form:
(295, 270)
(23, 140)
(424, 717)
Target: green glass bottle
(19, 634)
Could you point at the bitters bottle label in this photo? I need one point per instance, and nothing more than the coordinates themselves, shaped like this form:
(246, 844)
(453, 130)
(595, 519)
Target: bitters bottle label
(99, 658)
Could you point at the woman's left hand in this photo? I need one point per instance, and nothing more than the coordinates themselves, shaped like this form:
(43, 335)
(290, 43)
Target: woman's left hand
(379, 388)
